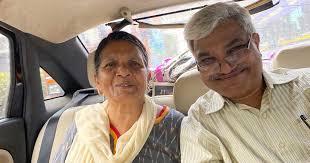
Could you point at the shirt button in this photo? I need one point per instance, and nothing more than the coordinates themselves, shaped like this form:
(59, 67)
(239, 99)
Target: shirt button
(281, 145)
(264, 115)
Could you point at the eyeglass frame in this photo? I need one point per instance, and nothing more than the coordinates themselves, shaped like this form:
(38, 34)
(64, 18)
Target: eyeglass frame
(199, 67)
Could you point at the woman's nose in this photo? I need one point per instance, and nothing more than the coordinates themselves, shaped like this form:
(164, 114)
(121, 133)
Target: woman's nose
(123, 70)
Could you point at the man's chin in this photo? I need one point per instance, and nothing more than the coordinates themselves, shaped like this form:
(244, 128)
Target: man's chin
(232, 90)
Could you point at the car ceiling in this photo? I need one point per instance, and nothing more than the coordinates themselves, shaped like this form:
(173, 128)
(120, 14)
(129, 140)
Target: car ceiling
(58, 20)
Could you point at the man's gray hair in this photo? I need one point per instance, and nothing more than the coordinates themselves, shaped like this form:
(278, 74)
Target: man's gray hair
(204, 21)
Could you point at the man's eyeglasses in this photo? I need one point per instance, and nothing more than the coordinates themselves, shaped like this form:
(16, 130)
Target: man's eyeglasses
(234, 56)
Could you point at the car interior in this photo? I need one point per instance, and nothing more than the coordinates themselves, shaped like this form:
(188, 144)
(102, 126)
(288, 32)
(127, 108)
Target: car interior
(46, 60)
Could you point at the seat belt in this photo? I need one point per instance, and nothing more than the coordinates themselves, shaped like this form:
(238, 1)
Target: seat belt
(49, 133)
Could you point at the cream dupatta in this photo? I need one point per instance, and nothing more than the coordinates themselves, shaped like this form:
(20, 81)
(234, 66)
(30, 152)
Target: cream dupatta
(92, 140)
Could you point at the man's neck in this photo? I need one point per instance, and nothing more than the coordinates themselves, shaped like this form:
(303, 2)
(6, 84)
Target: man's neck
(254, 99)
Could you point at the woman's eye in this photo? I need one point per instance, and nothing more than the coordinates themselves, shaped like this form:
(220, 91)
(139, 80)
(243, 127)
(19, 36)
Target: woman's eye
(136, 64)
(109, 65)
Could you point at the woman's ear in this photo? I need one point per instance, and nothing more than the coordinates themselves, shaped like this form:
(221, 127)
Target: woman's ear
(149, 75)
(97, 83)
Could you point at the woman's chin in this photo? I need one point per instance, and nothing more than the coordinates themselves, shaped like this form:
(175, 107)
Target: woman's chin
(127, 96)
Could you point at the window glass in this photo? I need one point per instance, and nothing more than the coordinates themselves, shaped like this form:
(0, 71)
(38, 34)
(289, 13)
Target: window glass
(92, 37)
(50, 87)
(282, 25)
(5, 76)
(161, 44)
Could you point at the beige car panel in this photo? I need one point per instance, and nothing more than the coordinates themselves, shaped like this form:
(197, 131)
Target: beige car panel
(293, 57)
(58, 21)
(187, 89)
(5, 156)
(69, 18)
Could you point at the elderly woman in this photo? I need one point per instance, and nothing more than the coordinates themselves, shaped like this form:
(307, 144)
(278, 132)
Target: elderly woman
(128, 126)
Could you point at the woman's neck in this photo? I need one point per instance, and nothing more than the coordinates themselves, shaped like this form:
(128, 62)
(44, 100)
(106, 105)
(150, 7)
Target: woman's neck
(124, 115)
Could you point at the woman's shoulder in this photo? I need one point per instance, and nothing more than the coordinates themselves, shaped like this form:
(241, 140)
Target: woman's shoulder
(168, 117)
(164, 132)
(86, 107)
(86, 112)
(174, 115)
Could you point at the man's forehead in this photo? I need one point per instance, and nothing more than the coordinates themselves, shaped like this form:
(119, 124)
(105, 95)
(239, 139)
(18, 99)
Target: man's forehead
(226, 29)
(220, 36)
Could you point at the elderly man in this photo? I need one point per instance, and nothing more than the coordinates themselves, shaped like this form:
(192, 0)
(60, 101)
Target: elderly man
(249, 115)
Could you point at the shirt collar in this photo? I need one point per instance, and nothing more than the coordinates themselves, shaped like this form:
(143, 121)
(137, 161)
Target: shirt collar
(279, 76)
(213, 101)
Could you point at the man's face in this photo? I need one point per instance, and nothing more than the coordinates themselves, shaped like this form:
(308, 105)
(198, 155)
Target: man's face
(229, 60)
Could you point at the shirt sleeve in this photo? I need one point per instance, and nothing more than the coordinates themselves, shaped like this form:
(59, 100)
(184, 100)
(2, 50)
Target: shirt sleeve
(304, 81)
(200, 145)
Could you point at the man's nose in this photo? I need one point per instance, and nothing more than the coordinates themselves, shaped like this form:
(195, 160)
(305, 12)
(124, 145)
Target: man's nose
(225, 67)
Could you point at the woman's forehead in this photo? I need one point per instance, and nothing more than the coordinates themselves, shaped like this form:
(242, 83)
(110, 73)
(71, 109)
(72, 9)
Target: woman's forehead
(121, 49)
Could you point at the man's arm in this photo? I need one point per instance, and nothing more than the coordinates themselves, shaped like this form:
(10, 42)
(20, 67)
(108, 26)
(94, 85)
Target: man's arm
(200, 145)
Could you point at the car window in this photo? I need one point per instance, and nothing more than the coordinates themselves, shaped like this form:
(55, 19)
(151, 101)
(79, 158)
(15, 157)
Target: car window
(285, 24)
(5, 76)
(158, 42)
(161, 44)
(282, 25)
(50, 88)
(92, 37)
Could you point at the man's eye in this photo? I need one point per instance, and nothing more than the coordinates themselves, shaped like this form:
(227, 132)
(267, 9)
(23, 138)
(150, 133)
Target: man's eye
(207, 61)
(236, 49)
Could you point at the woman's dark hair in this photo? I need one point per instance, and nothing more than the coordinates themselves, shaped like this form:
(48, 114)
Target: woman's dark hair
(119, 36)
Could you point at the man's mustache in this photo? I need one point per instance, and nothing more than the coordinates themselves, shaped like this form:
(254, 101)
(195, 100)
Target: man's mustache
(233, 72)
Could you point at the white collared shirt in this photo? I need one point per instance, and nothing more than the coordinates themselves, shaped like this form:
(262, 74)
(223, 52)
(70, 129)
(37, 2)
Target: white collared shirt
(218, 130)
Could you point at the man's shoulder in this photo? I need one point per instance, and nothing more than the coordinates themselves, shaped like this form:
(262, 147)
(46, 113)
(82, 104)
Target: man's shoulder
(208, 103)
(297, 80)
(205, 106)
(287, 76)
(303, 73)
(300, 73)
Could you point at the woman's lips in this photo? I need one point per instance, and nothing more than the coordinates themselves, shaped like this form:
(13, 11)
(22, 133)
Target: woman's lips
(124, 85)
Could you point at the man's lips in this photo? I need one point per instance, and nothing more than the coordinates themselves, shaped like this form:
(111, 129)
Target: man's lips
(230, 75)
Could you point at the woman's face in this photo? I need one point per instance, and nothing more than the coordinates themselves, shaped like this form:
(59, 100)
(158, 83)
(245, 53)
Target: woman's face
(122, 74)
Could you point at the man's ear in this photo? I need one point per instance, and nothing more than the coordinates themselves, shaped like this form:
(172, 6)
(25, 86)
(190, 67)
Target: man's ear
(256, 40)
